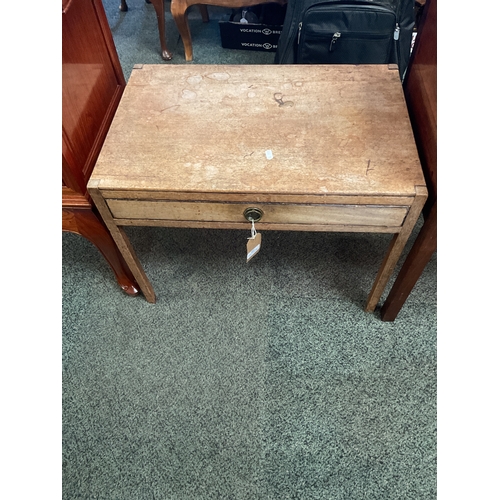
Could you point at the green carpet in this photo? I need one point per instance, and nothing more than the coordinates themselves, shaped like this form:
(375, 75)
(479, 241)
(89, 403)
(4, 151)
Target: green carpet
(264, 380)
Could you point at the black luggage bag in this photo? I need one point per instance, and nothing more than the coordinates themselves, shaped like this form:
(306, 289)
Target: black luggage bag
(347, 32)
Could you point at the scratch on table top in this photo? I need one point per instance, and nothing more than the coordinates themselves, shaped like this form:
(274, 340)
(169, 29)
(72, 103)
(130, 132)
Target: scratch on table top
(368, 167)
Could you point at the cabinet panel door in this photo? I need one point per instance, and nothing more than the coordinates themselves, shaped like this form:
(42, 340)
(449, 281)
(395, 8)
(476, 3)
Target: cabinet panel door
(92, 84)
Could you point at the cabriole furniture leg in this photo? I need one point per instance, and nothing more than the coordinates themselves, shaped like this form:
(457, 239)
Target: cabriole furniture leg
(87, 224)
(160, 15)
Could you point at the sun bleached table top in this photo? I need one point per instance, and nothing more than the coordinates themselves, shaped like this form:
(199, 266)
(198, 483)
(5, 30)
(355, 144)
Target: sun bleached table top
(296, 129)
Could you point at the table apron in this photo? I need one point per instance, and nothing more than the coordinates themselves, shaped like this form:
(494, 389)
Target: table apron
(260, 226)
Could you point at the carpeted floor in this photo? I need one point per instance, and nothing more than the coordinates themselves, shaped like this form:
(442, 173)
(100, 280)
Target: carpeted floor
(264, 380)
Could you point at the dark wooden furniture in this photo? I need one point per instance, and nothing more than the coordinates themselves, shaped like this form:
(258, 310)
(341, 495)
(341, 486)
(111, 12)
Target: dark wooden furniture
(344, 158)
(420, 87)
(159, 7)
(92, 85)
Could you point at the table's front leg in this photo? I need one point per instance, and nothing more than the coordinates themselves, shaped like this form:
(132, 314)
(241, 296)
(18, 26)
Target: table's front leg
(396, 248)
(122, 242)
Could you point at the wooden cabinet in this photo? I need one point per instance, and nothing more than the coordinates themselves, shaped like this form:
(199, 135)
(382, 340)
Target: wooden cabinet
(92, 85)
(420, 87)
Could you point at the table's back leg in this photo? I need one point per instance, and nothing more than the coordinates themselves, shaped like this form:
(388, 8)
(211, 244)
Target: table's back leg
(123, 244)
(396, 248)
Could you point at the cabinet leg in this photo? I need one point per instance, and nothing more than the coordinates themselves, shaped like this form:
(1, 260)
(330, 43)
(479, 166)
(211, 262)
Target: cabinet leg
(88, 225)
(422, 250)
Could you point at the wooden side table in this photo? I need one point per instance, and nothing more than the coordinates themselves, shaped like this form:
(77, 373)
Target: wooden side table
(309, 148)
(179, 13)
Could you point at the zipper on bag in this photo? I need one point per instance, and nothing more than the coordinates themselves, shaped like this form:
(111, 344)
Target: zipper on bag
(361, 35)
(356, 35)
(396, 32)
(335, 37)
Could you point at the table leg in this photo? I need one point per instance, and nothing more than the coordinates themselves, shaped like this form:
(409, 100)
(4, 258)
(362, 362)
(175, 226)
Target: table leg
(422, 250)
(123, 244)
(159, 7)
(130, 257)
(396, 248)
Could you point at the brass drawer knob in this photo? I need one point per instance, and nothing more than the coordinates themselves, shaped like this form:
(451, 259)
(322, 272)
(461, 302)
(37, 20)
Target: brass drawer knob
(253, 214)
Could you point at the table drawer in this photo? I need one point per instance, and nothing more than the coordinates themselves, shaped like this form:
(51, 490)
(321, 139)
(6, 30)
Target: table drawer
(273, 213)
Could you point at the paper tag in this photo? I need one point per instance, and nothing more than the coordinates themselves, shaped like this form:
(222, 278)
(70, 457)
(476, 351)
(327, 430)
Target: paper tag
(253, 246)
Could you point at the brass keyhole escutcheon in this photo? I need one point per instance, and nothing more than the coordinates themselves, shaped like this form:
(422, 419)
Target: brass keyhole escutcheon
(253, 214)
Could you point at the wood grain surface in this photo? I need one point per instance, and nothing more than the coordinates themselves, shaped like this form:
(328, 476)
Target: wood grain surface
(334, 130)
(367, 215)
